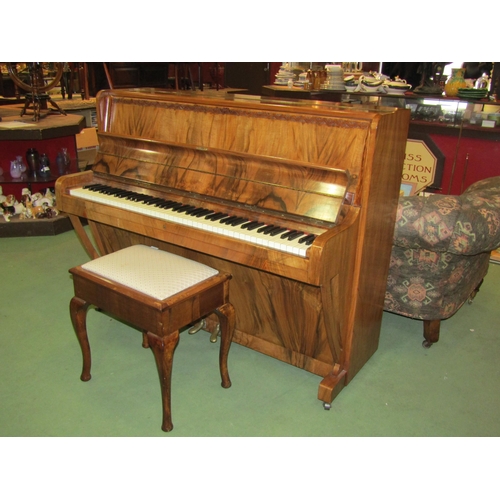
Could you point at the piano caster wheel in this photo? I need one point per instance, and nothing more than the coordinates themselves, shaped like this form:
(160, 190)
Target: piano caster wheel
(197, 327)
(327, 406)
(426, 344)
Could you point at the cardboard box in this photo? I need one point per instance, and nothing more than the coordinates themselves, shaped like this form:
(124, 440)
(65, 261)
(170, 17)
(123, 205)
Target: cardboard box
(87, 138)
(86, 145)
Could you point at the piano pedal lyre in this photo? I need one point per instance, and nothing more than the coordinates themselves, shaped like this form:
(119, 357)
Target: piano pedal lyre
(202, 325)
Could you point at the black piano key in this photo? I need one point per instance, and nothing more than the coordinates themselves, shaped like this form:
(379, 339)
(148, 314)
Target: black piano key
(121, 193)
(228, 220)
(96, 187)
(253, 225)
(250, 224)
(169, 204)
(197, 211)
(216, 216)
(287, 234)
(182, 208)
(265, 228)
(204, 212)
(152, 201)
(191, 210)
(137, 197)
(268, 229)
(291, 235)
(109, 190)
(309, 239)
(295, 236)
(233, 221)
(162, 203)
(238, 221)
(278, 230)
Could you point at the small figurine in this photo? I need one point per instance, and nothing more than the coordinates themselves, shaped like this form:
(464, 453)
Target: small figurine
(12, 207)
(25, 196)
(31, 206)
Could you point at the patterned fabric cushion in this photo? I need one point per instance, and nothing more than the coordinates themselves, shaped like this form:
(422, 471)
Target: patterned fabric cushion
(441, 250)
(464, 225)
(150, 271)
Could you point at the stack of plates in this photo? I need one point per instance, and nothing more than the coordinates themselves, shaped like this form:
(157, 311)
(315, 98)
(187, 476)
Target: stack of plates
(334, 78)
(473, 93)
(302, 80)
(283, 75)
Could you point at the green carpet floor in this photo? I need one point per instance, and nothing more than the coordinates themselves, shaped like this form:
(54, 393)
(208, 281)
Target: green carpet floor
(404, 391)
(450, 389)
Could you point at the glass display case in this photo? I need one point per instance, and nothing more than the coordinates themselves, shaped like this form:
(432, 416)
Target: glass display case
(437, 110)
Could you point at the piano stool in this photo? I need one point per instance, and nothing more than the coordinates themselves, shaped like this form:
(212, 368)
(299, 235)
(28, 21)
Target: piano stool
(158, 292)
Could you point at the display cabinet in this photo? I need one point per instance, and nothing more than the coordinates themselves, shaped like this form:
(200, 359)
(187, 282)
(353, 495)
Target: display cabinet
(48, 136)
(465, 132)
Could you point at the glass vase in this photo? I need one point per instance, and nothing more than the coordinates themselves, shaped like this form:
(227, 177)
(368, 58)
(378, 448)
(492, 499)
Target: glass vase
(455, 82)
(44, 166)
(33, 161)
(15, 169)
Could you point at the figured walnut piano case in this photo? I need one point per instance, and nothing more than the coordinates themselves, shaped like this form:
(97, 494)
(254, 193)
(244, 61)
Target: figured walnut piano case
(328, 170)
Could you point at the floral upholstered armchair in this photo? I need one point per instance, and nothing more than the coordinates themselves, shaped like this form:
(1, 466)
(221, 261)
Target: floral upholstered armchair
(441, 253)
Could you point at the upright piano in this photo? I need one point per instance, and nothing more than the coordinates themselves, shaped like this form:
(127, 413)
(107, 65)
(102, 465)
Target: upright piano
(296, 199)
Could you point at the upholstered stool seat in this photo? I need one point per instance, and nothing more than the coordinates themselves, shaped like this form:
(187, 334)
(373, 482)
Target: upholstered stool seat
(159, 293)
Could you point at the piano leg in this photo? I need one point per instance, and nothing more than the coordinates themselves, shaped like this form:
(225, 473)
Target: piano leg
(83, 237)
(331, 385)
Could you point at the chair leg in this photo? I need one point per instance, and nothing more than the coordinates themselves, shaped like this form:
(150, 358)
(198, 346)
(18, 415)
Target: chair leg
(226, 316)
(431, 332)
(163, 349)
(78, 311)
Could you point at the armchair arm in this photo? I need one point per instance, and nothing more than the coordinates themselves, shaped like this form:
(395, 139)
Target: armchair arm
(468, 224)
(426, 222)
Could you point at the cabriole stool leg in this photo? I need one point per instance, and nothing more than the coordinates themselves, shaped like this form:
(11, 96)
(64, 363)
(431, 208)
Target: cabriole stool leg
(78, 311)
(226, 316)
(163, 349)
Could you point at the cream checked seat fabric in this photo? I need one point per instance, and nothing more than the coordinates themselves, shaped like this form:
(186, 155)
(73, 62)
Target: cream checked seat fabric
(151, 271)
(158, 292)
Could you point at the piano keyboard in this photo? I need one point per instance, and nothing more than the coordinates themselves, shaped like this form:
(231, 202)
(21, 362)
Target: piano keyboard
(252, 231)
